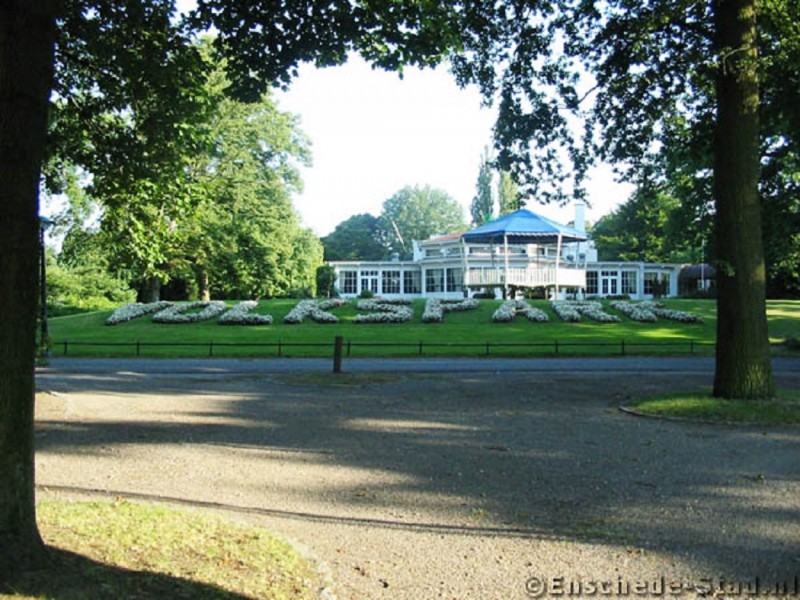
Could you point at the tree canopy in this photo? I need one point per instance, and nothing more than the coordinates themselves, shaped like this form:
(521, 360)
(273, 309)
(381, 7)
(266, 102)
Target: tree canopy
(358, 238)
(416, 213)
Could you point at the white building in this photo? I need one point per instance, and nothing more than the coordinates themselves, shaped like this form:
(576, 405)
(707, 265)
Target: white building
(517, 251)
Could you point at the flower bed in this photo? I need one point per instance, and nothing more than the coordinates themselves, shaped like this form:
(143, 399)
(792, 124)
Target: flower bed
(435, 308)
(509, 310)
(314, 310)
(672, 315)
(572, 311)
(565, 311)
(129, 312)
(181, 313)
(384, 311)
(635, 312)
(242, 314)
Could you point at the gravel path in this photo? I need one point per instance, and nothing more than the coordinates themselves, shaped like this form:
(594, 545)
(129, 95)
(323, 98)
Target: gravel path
(465, 484)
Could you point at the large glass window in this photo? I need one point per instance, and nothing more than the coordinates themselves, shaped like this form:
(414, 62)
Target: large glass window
(434, 280)
(349, 282)
(369, 281)
(629, 282)
(608, 283)
(455, 280)
(591, 282)
(411, 282)
(390, 284)
(650, 283)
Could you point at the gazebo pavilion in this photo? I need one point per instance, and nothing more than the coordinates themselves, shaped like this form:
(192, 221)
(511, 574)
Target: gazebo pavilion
(548, 269)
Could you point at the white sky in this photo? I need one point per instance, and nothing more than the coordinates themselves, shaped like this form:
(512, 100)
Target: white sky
(373, 133)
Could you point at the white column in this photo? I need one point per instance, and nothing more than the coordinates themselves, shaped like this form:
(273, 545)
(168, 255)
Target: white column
(505, 275)
(558, 260)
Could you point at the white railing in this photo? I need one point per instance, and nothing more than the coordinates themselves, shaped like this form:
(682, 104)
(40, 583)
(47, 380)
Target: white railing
(530, 277)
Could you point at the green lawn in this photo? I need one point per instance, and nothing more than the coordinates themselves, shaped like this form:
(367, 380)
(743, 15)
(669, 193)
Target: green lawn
(474, 328)
(145, 551)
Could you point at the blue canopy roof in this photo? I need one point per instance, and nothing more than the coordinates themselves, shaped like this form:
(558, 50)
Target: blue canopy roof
(523, 227)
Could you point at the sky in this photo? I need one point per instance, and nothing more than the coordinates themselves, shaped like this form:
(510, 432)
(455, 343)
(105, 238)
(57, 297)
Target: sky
(373, 133)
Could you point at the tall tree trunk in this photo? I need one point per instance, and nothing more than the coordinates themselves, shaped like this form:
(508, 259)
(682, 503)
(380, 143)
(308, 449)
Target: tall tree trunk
(203, 289)
(27, 34)
(150, 290)
(743, 364)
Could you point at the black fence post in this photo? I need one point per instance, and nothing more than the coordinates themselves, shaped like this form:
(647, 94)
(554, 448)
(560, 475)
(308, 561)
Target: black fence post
(280, 349)
(210, 349)
(66, 346)
(487, 348)
(556, 344)
(138, 349)
(623, 347)
(420, 347)
(337, 354)
(691, 346)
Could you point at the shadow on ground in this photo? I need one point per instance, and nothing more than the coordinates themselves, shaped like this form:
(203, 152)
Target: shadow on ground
(62, 575)
(513, 453)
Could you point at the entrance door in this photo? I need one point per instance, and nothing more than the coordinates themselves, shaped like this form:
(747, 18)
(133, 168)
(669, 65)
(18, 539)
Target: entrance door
(609, 285)
(369, 281)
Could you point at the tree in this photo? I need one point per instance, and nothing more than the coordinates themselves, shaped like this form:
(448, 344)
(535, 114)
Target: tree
(650, 66)
(27, 41)
(482, 207)
(137, 38)
(357, 238)
(416, 213)
(242, 235)
(644, 229)
(508, 196)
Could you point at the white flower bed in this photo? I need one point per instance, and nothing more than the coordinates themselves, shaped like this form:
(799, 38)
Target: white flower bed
(384, 311)
(435, 308)
(129, 312)
(635, 312)
(509, 310)
(565, 311)
(242, 314)
(595, 312)
(314, 310)
(178, 314)
(572, 311)
(672, 315)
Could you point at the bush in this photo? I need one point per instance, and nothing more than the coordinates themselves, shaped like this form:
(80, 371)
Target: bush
(78, 289)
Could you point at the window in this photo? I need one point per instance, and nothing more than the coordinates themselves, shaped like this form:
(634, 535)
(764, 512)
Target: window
(411, 282)
(433, 252)
(591, 282)
(434, 280)
(390, 284)
(369, 281)
(455, 280)
(629, 282)
(656, 284)
(608, 283)
(349, 282)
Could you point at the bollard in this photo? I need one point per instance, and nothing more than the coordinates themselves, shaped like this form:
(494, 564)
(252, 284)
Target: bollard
(337, 354)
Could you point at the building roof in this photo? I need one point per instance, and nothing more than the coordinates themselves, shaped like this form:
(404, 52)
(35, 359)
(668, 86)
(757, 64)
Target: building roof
(523, 227)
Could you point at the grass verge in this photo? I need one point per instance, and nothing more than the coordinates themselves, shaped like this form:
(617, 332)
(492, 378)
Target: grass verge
(783, 410)
(129, 550)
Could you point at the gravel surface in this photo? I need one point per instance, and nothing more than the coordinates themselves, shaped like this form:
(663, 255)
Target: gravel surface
(465, 484)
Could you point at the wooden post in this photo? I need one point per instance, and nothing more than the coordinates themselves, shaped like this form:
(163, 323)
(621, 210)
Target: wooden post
(337, 354)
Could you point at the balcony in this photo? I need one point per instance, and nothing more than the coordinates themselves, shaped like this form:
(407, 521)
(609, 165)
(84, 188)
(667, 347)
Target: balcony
(540, 276)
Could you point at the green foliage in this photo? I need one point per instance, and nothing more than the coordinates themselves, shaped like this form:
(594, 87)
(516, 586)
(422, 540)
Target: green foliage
(84, 287)
(358, 238)
(416, 213)
(508, 195)
(326, 281)
(644, 229)
(482, 208)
